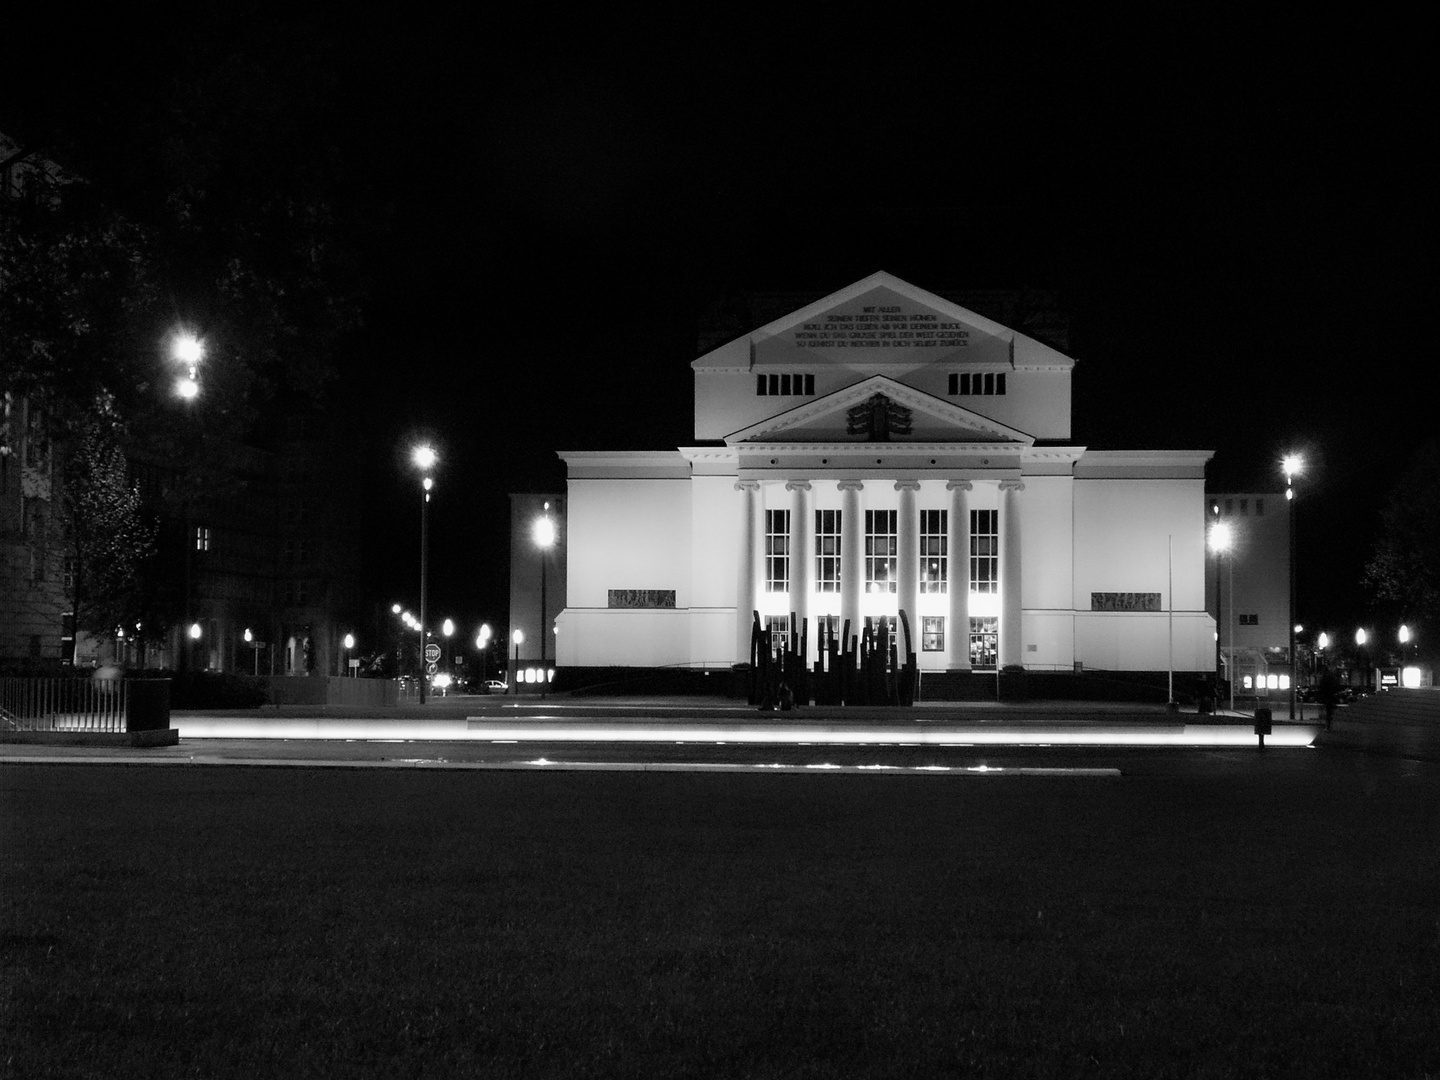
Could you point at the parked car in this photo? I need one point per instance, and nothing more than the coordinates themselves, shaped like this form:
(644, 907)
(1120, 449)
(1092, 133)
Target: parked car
(495, 686)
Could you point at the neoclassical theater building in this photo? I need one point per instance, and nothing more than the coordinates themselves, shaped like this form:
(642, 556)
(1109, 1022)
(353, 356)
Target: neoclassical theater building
(885, 450)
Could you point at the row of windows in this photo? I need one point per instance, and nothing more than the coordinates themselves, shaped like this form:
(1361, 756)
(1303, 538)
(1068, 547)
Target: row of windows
(784, 385)
(882, 547)
(984, 634)
(798, 384)
(974, 383)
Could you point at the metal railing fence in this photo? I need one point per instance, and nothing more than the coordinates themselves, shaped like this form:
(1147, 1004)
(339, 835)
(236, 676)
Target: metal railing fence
(66, 703)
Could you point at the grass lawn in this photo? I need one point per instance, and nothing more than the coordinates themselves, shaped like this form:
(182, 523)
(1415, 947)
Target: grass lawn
(1275, 917)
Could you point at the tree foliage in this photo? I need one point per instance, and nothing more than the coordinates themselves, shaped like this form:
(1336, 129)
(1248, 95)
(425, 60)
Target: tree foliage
(109, 538)
(212, 196)
(1404, 567)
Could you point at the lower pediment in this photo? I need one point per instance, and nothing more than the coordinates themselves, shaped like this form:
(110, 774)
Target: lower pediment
(881, 410)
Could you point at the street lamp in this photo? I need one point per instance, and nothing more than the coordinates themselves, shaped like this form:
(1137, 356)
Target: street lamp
(254, 648)
(448, 629)
(349, 644)
(187, 350)
(517, 637)
(1219, 543)
(544, 540)
(1292, 465)
(425, 458)
(482, 646)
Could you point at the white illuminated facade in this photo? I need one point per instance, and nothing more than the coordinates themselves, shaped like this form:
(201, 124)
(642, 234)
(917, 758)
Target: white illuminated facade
(885, 450)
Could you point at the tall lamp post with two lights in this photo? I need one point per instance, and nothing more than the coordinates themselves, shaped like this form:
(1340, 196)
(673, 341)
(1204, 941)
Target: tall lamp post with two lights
(188, 351)
(1292, 466)
(424, 457)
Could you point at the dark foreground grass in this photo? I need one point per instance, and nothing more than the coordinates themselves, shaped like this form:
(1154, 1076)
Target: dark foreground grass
(1276, 918)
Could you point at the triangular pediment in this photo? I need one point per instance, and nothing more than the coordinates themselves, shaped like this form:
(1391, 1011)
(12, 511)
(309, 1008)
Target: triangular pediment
(883, 323)
(879, 409)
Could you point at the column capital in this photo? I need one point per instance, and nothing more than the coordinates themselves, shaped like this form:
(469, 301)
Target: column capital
(960, 485)
(907, 485)
(1012, 485)
(797, 485)
(850, 485)
(747, 485)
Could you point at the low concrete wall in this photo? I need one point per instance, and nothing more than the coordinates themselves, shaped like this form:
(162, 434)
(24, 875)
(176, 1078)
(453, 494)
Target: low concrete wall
(332, 690)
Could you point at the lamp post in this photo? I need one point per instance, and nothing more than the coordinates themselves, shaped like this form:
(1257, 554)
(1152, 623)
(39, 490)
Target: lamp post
(187, 350)
(424, 457)
(482, 646)
(448, 629)
(517, 637)
(349, 644)
(1360, 638)
(544, 540)
(1292, 465)
(1219, 543)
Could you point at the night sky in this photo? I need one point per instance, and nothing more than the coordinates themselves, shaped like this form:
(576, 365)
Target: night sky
(1238, 219)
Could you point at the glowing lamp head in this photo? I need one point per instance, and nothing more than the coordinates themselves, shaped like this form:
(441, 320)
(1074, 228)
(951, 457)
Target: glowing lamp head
(544, 532)
(1405, 634)
(518, 637)
(1292, 465)
(188, 349)
(187, 388)
(447, 628)
(424, 456)
(195, 631)
(1360, 637)
(349, 641)
(248, 635)
(1220, 536)
(1323, 641)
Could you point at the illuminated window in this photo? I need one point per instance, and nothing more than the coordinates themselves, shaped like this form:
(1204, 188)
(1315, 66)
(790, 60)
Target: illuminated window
(777, 551)
(933, 557)
(974, 383)
(202, 537)
(984, 551)
(779, 627)
(827, 550)
(891, 624)
(984, 642)
(881, 546)
(932, 633)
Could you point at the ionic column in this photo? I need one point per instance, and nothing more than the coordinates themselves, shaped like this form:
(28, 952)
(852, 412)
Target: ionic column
(852, 555)
(751, 558)
(1010, 638)
(957, 548)
(907, 560)
(802, 557)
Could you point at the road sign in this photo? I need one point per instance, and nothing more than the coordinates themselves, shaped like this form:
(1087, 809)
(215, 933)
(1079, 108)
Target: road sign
(430, 669)
(432, 653)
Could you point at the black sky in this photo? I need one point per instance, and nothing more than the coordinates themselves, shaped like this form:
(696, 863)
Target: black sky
(1239, 218)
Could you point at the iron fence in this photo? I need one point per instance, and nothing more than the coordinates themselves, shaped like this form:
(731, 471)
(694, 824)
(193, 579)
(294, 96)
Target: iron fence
(67, 703)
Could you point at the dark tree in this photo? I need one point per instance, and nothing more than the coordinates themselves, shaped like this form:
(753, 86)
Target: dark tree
(108, 539)
(1404, 568)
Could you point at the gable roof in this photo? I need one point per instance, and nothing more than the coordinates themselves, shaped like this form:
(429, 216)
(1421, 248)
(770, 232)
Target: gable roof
(883, 321)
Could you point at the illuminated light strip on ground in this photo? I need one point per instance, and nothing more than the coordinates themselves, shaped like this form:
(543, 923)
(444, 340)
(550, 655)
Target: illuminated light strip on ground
(758, 733)
(544, 764)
